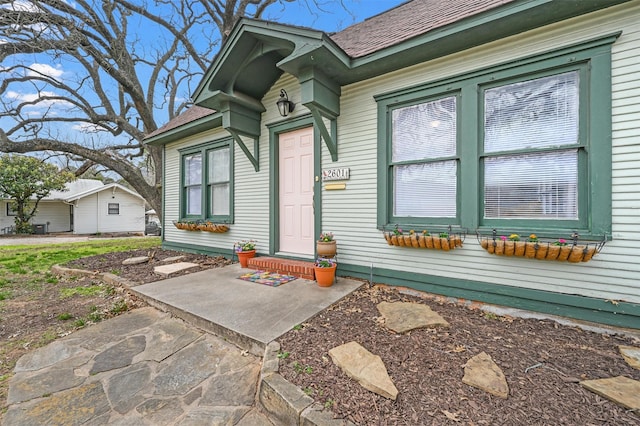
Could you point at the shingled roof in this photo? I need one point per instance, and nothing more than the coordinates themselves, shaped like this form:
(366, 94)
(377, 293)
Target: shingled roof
(406, 21)
(192, 114)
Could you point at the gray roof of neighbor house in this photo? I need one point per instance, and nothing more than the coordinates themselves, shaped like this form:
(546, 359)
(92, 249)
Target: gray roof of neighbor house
(81, 188)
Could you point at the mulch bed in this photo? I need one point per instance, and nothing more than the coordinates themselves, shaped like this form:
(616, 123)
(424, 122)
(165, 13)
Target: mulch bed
(543, 362)
(143, 273)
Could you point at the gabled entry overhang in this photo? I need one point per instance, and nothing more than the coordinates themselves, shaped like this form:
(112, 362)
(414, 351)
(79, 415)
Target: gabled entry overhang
(255, 56)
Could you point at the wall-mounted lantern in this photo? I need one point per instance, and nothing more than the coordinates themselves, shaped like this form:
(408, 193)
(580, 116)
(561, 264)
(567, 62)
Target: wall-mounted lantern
(285, 106)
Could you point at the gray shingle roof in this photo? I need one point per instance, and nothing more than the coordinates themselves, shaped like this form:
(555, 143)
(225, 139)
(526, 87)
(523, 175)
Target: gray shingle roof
(406, 21)
(192, 114)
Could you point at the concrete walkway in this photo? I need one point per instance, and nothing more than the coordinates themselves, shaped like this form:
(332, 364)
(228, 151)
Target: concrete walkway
(247, 314)
(147, 367)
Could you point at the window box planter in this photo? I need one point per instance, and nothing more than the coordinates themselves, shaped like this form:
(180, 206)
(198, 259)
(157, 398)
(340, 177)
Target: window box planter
(572, 250)
(439, 241)
(201, 226)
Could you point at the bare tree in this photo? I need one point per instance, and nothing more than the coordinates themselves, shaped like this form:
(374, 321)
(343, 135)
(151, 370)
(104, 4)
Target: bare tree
(115, 69)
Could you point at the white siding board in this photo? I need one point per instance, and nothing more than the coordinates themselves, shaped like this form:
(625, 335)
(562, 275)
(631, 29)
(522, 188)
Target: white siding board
(85, 219)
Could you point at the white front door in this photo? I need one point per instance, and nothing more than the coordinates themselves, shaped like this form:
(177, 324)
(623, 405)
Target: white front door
(296, 192)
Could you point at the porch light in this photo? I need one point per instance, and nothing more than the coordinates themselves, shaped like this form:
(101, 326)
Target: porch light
(285, 106)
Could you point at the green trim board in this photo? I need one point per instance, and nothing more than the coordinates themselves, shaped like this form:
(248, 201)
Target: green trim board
(592, 59)
(619, 314)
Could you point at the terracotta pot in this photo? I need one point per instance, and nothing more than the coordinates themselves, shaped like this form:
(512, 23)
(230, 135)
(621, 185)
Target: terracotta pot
(325, 276)
(244, 256)
(326, 249)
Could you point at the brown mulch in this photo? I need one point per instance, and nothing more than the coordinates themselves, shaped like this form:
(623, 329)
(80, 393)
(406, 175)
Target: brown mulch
(143, 273)
(543, 362)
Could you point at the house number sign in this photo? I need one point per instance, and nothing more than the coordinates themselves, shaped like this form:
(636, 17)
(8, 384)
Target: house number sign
(335, 174)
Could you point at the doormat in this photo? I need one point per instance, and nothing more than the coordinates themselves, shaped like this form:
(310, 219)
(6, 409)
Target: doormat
(267, 278)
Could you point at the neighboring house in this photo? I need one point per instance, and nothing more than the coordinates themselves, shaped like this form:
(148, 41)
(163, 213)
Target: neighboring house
(86, 207)
(521, 116)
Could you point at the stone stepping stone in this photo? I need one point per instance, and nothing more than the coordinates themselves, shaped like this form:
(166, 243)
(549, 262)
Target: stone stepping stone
(631, 355)
(136, 260)
(172, 268)
(621, 390)
(482, 373)
(365, 368)
(405, 316)
(173, 259)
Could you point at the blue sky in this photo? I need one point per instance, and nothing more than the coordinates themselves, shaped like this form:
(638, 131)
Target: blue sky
(335, 16)
(335, 19)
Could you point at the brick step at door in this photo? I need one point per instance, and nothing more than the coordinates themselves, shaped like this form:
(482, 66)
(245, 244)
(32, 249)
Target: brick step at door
(297, 268)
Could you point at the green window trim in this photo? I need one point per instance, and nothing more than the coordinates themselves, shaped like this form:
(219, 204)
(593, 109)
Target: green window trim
(205, 198)
(592, 60)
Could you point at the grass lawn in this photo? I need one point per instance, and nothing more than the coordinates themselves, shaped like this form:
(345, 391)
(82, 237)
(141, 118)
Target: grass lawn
(36, 307)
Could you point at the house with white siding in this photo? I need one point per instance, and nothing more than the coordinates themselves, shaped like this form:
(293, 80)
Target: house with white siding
(482, 120)
(86, 206)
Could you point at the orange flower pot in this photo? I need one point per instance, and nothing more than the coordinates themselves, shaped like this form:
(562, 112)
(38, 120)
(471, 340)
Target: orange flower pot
(325, 276)
(244, 256)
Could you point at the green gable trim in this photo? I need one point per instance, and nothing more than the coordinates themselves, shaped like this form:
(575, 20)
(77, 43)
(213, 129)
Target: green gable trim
(622, 314)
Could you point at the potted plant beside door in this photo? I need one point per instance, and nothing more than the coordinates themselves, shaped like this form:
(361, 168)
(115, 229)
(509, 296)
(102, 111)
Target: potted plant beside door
(325, 271)
(245, 251)
(326, 245)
